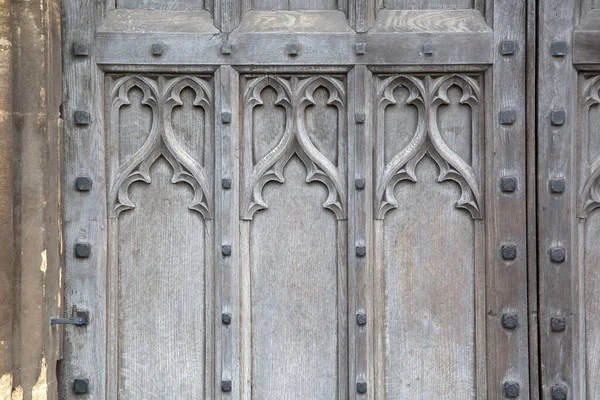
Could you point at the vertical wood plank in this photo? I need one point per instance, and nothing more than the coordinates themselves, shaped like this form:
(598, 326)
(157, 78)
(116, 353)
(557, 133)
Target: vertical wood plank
(361, 14)
(85, 218)
(429, 4)
(227, 14)
(561, 363)
(361, 220)
(507, 279)
(227, 233)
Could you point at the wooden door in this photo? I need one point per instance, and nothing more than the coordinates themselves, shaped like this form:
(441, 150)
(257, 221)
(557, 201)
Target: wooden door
(270, 199)
(568, 198)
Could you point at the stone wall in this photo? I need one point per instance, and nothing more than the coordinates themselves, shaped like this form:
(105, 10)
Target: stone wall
(30, 133)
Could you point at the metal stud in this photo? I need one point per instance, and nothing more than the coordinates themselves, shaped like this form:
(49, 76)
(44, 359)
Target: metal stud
(558, 255)
(226, 250)
(80, 386)
(225, 117)
(157, 49)
(508, 251)
(361, 318)
(226, 318)
(508, 47)
(428, 48)
(83, 183)
(360, 48)
(360, 117)
(508, 184)
(361, 387)
(359, 183)
(80, 49)
(81, 118)
(558, 392)
(226, 48)
(293, 49)
(558, 324)
(510, 321)
(83, 250)
(226, 386)
(508, 117)
(226, 183)
(511, 389)
(558, 117)
(557, 185)
(361, 251)
(559, 49)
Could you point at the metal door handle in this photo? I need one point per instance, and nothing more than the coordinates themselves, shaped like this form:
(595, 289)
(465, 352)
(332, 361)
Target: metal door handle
(82, 318)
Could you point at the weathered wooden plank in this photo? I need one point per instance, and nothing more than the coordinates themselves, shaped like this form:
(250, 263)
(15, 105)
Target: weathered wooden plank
(586, 37)
(169, 5)
(360, 192)
(227, 360)
(273, 5)
(507, 213)
(562, 364)
(271, 49)
(428, 4)
(227, 14)
(85, 217)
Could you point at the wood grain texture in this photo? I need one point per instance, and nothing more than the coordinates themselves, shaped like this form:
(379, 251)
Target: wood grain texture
(428, 4)
(429, 290)
(272, 5)
(591, 313)
(169, 5)
(84, 214)
(562, 357)
(162, 283)
(295, 288)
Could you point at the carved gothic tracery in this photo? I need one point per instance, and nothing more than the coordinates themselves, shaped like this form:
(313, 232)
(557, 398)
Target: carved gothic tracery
(295, 95)
(590, 195)
(162, 96)
(427, 95)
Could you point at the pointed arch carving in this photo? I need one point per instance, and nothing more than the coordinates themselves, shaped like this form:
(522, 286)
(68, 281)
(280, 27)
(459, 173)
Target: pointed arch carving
(294, 95)
(161, 141)
(427, 94)
(589, 199)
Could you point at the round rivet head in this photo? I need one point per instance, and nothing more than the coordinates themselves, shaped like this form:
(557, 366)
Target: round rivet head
(359, 183)
(226, 183)
(511, 390)
(226, 250)
(83, 250)
(361, 251)
(510, 321)
(361, 318)
(293, 49)
(558, 392)
(226, 386)
(558, 255)
(80, 386)
(558, 324)
(361, 387)
(226, 318)
(157, 49)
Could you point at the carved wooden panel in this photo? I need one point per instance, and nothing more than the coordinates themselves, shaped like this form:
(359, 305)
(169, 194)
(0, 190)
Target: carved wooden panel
(294, 163)
(589, 232)
(160, 162)
(428, 4)
(428, 195)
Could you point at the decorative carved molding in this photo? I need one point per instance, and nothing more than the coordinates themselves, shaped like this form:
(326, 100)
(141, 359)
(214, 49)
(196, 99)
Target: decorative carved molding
(294, 95)
(590, 196)
(427, 95)
(161, 141)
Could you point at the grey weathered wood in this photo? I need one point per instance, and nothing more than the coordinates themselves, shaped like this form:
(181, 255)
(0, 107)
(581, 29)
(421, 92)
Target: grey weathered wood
(85, 217)
(586, 37)
(273, 5)
(227, 14)
(227, 364)
(428, 4)
(560, 284)
(507, 211)
(324, 39)
(169, 5)
(295, 286)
